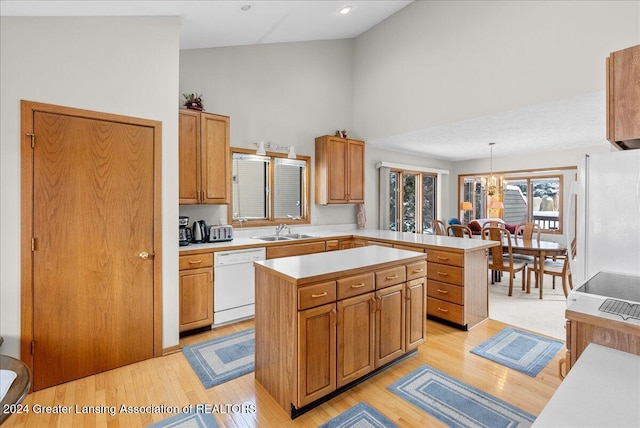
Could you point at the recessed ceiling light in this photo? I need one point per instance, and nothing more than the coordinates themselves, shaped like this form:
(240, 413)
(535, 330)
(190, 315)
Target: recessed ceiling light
(345, 10)
(246, 7)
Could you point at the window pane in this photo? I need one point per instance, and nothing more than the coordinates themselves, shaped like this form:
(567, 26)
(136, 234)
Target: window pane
(546, 202)
(428, 200)
(288, 187)
(249, 184)
(515, 202)
(409, 202)
(393, 200)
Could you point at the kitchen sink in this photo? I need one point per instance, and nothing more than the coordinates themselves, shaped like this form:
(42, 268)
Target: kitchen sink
(287, 237)
(298, 236)
(272, 238)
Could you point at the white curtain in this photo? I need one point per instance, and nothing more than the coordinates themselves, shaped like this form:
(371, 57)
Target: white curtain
(383, 208)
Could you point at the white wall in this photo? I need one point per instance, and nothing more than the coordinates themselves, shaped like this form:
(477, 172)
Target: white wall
(126, 66)
(286, 94)
(437, 62)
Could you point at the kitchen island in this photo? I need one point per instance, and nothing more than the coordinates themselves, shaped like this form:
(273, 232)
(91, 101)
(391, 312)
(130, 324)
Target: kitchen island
(325, 321)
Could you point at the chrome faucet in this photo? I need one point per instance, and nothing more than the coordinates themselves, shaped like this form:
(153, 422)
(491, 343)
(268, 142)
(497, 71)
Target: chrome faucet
(279, 228)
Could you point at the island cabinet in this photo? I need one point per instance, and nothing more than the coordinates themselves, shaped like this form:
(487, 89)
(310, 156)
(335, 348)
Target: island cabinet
(328, 319)
(339, 170)
(457, 285)
(204, 158)
(623, 98)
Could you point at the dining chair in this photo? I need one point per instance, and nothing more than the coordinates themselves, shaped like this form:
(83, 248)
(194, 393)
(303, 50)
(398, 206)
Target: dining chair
(494, 223)
(459, 231)
(438, 227)
(501, 256)
(528, 231)
(560, 267)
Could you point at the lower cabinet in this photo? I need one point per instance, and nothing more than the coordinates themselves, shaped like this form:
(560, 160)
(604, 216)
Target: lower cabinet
(390, 324)
(356, 338)
(196, 291)
(196, 298)
(316, 352)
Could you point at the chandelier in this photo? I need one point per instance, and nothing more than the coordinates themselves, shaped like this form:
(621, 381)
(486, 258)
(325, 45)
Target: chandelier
(492, 183)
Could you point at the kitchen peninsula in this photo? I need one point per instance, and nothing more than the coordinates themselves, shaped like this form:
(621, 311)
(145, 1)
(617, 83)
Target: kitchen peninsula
(326, 320)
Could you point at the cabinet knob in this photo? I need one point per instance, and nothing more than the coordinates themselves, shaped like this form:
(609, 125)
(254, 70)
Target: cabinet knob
(144, 255)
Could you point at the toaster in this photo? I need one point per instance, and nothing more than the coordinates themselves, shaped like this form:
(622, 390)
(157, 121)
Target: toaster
(220, 233)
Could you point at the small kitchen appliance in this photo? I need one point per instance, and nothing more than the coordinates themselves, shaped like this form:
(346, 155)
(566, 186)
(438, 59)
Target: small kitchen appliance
(220, 233)
(184, 233)
(200, 232)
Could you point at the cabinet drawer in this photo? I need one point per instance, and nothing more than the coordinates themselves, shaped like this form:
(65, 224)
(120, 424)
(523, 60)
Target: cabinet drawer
(316, 295)
(445, 257)
(445, 273)
(448, 292)
(332, 245)
(445, 310)
(391, 276)
(416, 270)
(295, 249)
(196, 261)
(354, 285)
(408, 248)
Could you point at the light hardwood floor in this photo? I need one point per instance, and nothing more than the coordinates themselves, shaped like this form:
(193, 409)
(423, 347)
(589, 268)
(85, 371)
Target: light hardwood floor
(170, 381)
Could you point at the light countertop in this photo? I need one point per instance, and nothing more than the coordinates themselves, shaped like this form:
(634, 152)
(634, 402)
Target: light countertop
(318, 264)
(601, 390)
(406, 238)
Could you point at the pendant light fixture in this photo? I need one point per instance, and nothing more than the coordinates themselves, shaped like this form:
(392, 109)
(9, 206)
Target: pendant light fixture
(492, 183)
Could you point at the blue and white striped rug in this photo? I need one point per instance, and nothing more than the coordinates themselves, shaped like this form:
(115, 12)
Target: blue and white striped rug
(456, 403)
(361, 416)
(520, 350)
(187, 420)
(224, 358)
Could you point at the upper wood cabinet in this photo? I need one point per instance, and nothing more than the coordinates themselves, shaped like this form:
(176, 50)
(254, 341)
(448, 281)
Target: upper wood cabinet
(623, 98)
(339, 172)
(204, 158)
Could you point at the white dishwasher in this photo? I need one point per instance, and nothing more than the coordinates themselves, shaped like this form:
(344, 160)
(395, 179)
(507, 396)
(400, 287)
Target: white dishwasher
(233, 284)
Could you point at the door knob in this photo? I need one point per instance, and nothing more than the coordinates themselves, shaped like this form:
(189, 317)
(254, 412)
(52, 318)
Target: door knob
(143, 255)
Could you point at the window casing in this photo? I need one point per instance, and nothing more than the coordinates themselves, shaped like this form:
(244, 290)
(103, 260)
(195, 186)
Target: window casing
(268, 190)
(412, 201)
(527, 197)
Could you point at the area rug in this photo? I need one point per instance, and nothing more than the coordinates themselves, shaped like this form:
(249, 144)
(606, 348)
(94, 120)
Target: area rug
(187, 420)
(456, 403)
(224, 358)
(362, 416)
(520, 350)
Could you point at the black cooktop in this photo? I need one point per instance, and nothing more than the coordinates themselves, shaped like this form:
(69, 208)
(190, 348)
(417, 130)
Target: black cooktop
(618, 286)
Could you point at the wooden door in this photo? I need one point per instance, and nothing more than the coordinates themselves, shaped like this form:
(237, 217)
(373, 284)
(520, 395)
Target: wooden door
(196, 298)
(89, 303)
(355, 174)
(316, 353)
(390, 324)
(356, 324)
(216, 159)
(189, 156)
(416, 313)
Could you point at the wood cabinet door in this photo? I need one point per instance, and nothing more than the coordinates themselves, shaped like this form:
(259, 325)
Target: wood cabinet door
(216, 159)
(390, 324)
(356, 338)
(188, 157)
(623, 95)
(416, 313)
(316, 353)
(337, 170)
(355, 172)
(196, 298)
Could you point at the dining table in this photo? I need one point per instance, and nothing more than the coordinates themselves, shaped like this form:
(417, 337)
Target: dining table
(537, 248)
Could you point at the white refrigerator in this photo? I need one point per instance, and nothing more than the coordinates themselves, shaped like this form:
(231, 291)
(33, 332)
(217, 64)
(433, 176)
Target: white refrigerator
(608, 215)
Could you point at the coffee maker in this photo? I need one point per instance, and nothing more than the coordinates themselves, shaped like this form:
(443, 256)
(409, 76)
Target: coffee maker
(184, 232)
